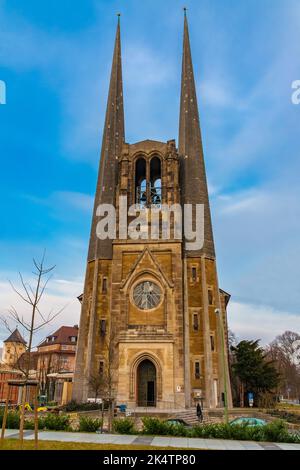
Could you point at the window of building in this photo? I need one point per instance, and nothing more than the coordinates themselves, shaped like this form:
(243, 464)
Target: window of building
(212, 342)
(197, 369)
(194, 273)
(195, 321)
(102, 327)
(148, 190)
(140, 182)
(210, 297)
(101, 367)
(64, 362)
(73, 339)
(51, 338)
(155, 181)
(104, 285)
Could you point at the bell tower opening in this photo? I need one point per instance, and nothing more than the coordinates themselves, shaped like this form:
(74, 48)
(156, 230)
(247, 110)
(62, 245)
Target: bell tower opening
(155, 181)
(140, 182)
(146, 383)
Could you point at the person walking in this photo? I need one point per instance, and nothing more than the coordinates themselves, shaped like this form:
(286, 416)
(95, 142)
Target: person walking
(199, 412)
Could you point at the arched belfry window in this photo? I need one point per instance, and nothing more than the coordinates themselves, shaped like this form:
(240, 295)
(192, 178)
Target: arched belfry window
(148, 182)
(155, 181)
(140, 182)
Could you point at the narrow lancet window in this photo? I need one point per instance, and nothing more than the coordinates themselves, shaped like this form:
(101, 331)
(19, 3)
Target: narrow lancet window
(155, 181)
(140, 182)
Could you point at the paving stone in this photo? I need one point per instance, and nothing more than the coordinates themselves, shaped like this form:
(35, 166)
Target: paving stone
(124, 439)
(161, 441)
(287, 446)
(249, 445)
(179, 442)
(140, 440)
(269, 446)
(195, 443)
(214, 444)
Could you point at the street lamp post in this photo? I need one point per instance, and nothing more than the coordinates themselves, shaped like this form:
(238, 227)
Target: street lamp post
(218, 313)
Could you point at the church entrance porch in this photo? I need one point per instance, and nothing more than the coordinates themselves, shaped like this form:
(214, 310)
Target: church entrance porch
(146, 379)
(146, 383)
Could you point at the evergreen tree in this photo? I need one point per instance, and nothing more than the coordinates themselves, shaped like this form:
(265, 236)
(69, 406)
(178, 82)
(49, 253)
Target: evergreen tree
(256, 374)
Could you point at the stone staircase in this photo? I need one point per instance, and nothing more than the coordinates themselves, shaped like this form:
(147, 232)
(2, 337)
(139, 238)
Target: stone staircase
(190, 417)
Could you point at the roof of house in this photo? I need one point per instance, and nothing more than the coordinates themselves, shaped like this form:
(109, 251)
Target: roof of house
(61, 336)
(15, 337)
(226, 295)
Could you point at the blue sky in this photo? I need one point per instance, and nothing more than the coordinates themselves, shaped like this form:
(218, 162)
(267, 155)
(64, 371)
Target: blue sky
(55, 59)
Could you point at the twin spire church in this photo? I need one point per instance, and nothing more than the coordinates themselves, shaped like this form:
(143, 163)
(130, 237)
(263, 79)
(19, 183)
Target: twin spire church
(153, 319)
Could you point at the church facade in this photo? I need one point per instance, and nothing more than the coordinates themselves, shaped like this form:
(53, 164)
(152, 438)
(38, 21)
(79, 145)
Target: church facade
(153, 319)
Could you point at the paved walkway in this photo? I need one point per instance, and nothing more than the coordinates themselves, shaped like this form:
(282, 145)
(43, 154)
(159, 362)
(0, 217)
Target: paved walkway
(182, 442)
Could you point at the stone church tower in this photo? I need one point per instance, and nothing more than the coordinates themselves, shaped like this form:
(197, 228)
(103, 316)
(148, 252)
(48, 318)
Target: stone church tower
(153, 316)
(13, 348)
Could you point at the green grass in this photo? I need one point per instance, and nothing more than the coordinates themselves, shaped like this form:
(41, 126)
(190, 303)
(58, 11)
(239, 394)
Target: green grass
(14, 444)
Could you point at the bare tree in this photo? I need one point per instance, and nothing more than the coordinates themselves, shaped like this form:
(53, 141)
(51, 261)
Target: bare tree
(97, 383)
(286, 342)
(49, 363)
(281, 351)
(232, 339)
(31, 295)
(102, 382)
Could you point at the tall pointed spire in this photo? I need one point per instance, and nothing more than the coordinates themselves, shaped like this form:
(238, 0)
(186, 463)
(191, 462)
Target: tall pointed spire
(194, 184)
(113, 139)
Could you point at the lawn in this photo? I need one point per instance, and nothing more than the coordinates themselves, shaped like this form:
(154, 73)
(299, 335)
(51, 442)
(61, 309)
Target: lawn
(14, 444)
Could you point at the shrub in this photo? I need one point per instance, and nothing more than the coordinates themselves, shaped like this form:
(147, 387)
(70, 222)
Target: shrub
(54, 422)
(225, 431)
(154, 426)
(12, 420)
(74, 406)
(87, 424)
(177, 430)
(29, 424)
(219, 430)
(276, 431)
(273, 432)
(124, 426)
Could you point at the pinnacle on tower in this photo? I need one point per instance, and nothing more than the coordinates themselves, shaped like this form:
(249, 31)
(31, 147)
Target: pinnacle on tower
(113, 139)
(193, 176)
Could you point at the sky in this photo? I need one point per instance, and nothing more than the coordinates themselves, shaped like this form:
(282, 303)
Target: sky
(55, 60)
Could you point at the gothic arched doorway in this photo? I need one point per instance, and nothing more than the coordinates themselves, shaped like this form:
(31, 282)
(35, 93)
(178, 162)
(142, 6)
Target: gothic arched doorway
(146, 383)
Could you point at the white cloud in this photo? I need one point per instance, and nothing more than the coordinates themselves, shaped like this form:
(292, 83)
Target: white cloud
(245, 201)
(144, 67)
(219, 94)
(62, 203)
(250, 321)
(257, 240)
(80, 201)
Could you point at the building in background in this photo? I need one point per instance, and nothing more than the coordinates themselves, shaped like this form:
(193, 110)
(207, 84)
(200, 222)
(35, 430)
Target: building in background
(56, 363)
(14, 348)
